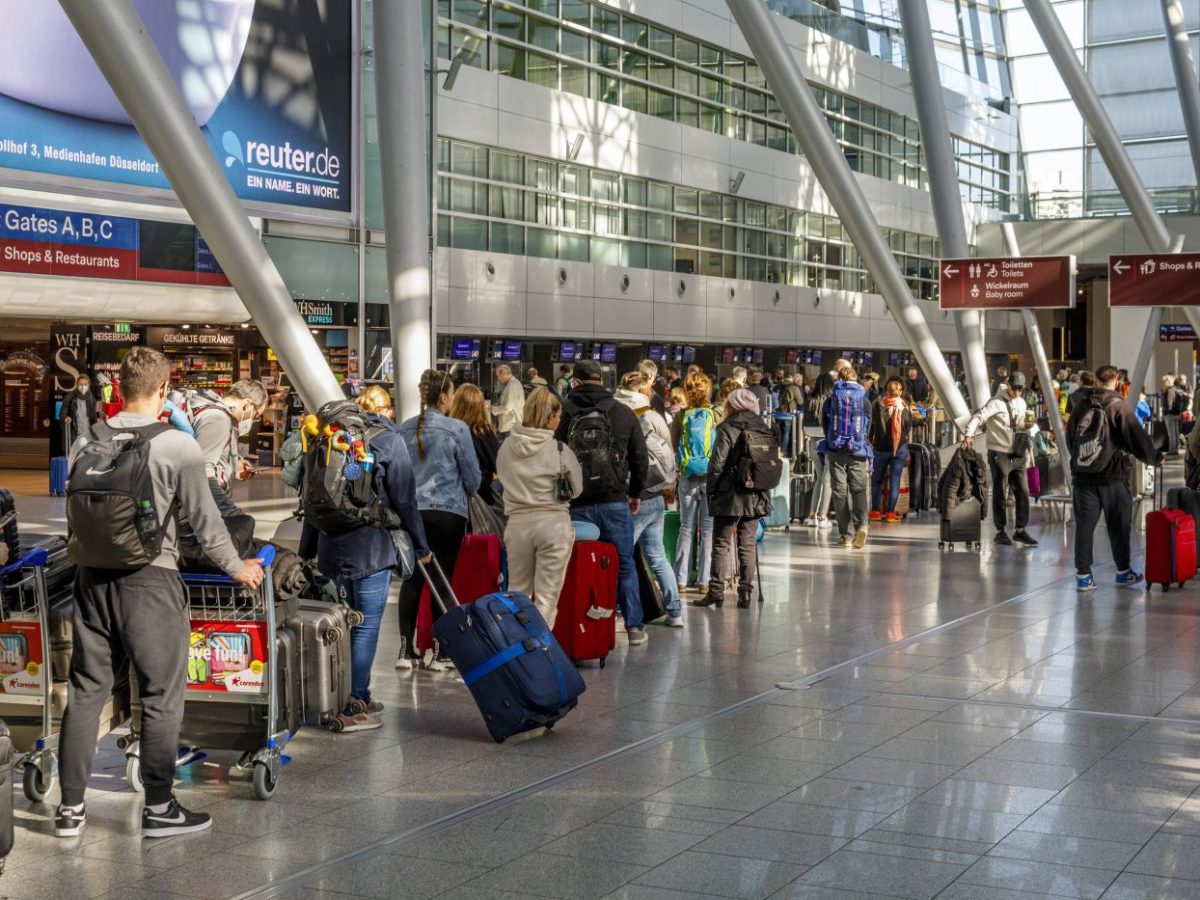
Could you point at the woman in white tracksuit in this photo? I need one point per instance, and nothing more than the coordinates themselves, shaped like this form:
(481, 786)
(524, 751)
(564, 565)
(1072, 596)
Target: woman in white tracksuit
(539, 534)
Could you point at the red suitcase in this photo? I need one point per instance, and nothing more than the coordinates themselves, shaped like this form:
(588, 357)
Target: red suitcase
(1170, 548)
(586, 621)
(476, 573)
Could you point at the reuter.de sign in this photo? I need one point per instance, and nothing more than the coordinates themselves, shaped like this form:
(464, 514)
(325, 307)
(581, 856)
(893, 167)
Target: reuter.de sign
(1160, 279)
(1018, 282)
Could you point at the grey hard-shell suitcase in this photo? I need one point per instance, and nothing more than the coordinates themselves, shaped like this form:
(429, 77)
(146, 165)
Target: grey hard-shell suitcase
(1187, 500)
(324, 630)
(962, 525)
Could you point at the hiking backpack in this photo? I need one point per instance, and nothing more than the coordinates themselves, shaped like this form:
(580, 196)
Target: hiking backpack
(847, 420)
(696, 440)
(660, 471)
(590, 437)
(759, 466)
(338, 493)
(1091, 437)
(111, 516)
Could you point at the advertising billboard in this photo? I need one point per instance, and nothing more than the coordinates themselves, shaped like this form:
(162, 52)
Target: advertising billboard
(270, 83)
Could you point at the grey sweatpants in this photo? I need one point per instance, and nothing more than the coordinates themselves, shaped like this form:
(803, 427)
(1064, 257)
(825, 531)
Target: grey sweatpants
(122, 619)
(851, 491)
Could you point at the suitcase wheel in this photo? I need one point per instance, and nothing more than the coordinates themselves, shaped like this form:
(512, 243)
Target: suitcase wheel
(35, 784)
(264, 782)
(941, 545)
(335, 725)
(133, 772)
(357, 707)
(602, 659)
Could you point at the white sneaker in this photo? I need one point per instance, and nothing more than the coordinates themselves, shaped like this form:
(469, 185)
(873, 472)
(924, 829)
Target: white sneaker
(431, 663)
(824, 523)
(674, 622)
(810, 522)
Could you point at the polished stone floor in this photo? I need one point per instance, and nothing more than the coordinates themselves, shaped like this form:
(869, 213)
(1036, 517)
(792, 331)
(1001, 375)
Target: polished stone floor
(895, 722)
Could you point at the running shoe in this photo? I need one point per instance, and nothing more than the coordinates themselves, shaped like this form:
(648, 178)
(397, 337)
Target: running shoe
(350, 723)
(175, 821)
(892, 518)
(1129, 578)
(68, 821)
(1084, 583)
(876, 516)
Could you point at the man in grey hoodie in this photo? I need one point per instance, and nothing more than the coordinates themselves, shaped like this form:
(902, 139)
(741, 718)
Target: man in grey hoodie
(139, 618)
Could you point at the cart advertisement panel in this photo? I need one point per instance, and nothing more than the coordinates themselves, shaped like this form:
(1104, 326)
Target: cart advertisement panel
(269, 82)
(227, 656)
(22, 669)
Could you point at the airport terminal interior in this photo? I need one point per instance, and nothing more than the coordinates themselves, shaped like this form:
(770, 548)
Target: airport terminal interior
(977, 201)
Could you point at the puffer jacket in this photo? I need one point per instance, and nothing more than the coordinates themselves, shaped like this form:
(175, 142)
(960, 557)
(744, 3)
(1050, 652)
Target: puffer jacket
(965, 477)
(725, 496)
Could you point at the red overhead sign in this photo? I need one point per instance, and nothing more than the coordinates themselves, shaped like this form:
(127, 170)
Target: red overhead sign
(1019, 282)
(1161, 279)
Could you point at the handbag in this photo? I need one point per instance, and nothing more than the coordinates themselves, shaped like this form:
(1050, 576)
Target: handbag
(484, 519)
(1022, 440)
(563, 488)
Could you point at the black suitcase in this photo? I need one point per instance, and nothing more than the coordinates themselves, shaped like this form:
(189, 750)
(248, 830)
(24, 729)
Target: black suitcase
(962, 526)
(801, 499)
(1187, 500)
(932, 474)
(918, 468)
(6, 794)
(653, 605)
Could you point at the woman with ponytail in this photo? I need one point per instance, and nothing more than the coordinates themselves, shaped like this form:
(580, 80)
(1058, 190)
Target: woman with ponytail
(447, 474)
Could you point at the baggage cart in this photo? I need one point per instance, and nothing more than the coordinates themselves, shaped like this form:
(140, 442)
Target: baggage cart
(242, 680)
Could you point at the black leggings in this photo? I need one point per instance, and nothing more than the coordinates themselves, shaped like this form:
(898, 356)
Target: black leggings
(444, 531)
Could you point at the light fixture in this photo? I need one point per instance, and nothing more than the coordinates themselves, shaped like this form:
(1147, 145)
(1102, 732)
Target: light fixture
(452, 73)
(735, 183)
(574, 147)
(245, 324)
(1004, 106)
(185, 327)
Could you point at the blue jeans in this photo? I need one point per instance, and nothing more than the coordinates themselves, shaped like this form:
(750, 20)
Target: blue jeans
(693, 514)
(785, 434)
(368, 596)
(616, 527)
(888, 462)
(648, 534)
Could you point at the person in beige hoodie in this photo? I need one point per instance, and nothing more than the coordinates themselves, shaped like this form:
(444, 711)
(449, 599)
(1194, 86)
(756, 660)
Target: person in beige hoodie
(539, 534)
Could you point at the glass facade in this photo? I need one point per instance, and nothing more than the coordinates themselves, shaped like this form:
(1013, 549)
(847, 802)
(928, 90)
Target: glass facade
(506, 202)
(594, 50)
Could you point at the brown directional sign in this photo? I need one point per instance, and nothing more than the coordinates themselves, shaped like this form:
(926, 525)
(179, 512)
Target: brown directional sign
(1162, 279)
(1018, 282)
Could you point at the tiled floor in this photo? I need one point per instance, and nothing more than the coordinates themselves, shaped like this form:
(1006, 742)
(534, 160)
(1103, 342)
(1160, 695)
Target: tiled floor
(1040, 745)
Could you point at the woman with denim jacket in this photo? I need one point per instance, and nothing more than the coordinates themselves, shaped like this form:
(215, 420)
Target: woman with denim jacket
(447, 474)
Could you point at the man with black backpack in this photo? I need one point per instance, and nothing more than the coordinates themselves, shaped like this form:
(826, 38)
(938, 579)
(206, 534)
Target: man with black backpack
(1104, 438)
(607, 440)
(127, 489)
(848, 452)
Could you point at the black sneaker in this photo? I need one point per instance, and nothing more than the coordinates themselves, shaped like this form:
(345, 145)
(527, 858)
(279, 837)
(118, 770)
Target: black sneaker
(1024, 537)
(1003, 538)
(68, 821)
(175, 821)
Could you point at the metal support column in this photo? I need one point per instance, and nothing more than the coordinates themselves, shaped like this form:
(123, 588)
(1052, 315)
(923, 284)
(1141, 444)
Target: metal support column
(400, 94)
(1034, 333)
(1108, 142)
(1179, 43)
(833, 173)
(120, 44)
(943, 181)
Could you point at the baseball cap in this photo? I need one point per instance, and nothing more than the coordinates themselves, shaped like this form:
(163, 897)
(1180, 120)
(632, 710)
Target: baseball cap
(1017, 380)
(587, 370)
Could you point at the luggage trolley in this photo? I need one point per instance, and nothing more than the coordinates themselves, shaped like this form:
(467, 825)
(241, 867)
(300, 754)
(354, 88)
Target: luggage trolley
(26, 688)
(235, 680)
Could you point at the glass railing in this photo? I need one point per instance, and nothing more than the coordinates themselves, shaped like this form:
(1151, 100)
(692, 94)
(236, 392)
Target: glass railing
(1184, 201)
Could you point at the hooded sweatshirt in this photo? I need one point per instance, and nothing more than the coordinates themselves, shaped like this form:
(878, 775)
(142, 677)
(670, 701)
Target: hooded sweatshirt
(528, 465)
(652, 421)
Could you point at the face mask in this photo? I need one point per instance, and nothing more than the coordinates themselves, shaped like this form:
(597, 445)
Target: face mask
(244, 426)
(82, 389)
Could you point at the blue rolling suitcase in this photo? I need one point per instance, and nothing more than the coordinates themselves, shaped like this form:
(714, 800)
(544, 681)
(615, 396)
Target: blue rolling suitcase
(515, 669)
(58, 476)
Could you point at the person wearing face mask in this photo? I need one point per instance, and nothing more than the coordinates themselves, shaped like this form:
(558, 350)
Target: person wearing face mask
(79, 412)
(218, 423)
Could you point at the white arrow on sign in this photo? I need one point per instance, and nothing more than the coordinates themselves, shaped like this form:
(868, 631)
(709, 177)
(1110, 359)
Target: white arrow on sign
(950, 271)
(1120, 268)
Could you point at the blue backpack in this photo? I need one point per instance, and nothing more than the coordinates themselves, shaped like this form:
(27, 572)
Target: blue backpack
(847, 419)
(696, 440)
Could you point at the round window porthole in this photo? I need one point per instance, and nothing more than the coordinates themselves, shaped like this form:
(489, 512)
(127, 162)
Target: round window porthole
(778, 296)
(624, 283)
(489, 270)
(816, 301)
(562, 275)
(681, 288)
(732, 293)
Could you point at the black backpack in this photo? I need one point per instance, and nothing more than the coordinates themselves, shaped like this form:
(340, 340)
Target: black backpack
(759, 466)
(338, 493)
(1091, 437)
(590, 437)
(111, 516)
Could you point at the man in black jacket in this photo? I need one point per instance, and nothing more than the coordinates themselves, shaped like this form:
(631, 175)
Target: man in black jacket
(608, 441)
(1102, 454)
(79, 412)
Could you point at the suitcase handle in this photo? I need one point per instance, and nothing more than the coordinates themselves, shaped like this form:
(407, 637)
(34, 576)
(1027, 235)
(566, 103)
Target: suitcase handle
(35, 558)
(266, 554)
(435, 592)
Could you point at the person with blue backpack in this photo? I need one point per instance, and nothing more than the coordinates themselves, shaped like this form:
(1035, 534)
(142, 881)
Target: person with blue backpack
(848, 453)
(693, 433)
